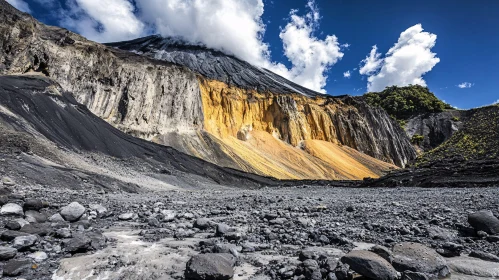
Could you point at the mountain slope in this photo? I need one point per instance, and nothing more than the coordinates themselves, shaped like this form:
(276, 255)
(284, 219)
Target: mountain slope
(226, 122)
(470, 158)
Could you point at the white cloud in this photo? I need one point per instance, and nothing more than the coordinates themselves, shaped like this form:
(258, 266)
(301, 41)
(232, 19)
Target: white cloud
(20, 5)
(497, 102)
(465, 85)
(347, 74)
(95, 20)
(310, 57)
(236, 27)
(371, 62)
(405, 63)
(232, 26)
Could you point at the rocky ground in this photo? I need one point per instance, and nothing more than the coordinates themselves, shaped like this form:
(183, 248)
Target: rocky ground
(302, 232)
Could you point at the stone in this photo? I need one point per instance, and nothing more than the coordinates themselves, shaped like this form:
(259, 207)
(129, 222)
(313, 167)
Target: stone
(33, 204)
(72, 212)
(202, 223)
(153, 222)
(126, 216)
(24, 242)
(438, 233)
(78, 244)
(38, 256)
(38, 229)
(222, 229)
(101, 210)
(7, 253)
(63, 233)
(474, 267)
(484, 256)
(383, 252)
(16, 267)
(370, 265)
(10, 235)
(168, 215)
(310, 253)
(210, 267)
(97, 240)
(12, 209)
(484, 221)
(419, 258)
(56, 218)
(6, 181)
(3, 199)
(311, 270)
(33, 216)
(16, 224)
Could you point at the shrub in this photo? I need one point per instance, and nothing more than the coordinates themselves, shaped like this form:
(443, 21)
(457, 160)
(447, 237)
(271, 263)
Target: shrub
(417, 139)
(406, 102)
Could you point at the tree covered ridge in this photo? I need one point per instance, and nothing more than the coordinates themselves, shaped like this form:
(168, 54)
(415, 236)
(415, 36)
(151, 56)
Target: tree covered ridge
(404, 102)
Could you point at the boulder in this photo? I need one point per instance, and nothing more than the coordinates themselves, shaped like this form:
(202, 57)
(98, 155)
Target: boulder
(33, 204)
(370, 265)
(202, 223)
(33, 216)
(72, 212)
(416, 257)
(222, 229)
(101, 210)
(24, 242)
(474, 267)
(383, 252)
(78, 244)
(7, 253)
(38, 256)
(126, 216)
(484, 221)
(16, 267)
(16, 224)
(12, 209)
(210, 267)
(10, 235)
(484, 256)
(38, 229)
(56, 218)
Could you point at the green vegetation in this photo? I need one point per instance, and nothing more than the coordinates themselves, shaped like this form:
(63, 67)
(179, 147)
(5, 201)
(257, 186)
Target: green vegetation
(404, 102)
(478, 139)
(456, 119)
(417, 139)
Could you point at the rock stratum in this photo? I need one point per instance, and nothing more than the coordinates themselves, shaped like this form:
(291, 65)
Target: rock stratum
(208, 104)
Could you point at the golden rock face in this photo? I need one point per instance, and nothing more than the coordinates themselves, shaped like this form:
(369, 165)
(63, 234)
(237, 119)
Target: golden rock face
(285, 136)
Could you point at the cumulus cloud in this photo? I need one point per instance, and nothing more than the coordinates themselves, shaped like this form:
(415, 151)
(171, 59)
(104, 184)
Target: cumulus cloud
(310, 56)
(232, 26)
(95, 20)
(405, 63)
(347, 74)
(20, 5)
(465, 85)
(371, 63)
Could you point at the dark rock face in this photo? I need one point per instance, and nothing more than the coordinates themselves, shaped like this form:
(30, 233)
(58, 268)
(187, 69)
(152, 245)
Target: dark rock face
(212, 64)
(370, 265)
(435, 128)
(210, 267)
(484, 221)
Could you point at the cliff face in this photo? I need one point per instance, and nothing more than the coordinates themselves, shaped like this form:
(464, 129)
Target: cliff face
(272, 127)
(436, 128)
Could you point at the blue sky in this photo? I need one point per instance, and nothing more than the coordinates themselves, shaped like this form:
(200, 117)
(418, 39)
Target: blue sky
(466, 49)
